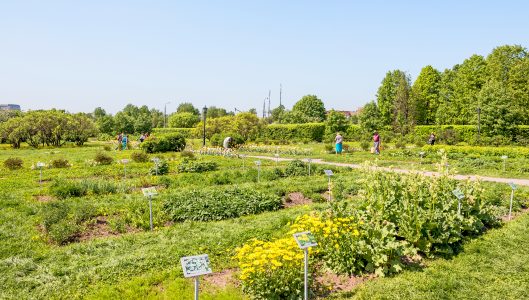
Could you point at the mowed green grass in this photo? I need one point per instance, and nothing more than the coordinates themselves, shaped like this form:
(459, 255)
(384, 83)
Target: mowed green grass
(494, 266)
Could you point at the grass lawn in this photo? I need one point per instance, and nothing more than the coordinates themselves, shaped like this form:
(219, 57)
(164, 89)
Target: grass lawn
(494, 266)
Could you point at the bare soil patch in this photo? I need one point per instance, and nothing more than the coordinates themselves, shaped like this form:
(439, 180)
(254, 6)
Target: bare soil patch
(341, 283)
(295, 199)
(101, 228)
(222, 279)
(44, 198)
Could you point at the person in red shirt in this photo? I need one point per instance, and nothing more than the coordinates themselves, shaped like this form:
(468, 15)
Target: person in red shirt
(376, 141)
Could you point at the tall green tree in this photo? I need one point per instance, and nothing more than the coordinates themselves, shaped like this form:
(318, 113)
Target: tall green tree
(310, 106)
(387, 93)
(187, 107)
(425, 95)
(500, 115)
(335, 122)
(369, 118)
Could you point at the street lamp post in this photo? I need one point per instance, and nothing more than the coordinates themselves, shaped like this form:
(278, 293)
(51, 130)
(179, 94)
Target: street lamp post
(204, 112)
(479, 125)
(165, 114)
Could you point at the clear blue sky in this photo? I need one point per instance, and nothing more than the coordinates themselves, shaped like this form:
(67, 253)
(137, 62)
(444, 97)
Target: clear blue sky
(77, 55)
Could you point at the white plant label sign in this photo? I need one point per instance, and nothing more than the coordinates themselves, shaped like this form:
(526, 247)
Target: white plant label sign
(41, 165)
(328, 172)
(513, 186)
(149, 192)
(258, 162)
(125, 161)
(458, 193)
(195, 265)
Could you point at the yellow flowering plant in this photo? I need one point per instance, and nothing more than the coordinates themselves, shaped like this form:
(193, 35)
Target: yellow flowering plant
(272, 270)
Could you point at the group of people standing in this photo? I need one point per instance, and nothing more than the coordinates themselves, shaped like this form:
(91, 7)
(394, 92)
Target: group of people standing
(123, 140)
(376, 142)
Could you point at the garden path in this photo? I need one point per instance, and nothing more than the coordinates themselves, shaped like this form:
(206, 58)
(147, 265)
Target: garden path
(516, 181)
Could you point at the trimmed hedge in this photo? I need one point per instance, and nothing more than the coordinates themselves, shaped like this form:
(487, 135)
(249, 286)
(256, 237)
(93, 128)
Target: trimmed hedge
(218, 204)
(511, 152)
(307, 131)
(170, 142)
(185, 132)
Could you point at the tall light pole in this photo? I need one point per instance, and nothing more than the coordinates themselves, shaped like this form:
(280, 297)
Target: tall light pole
(165, 114)
(204, 112)
(479, 125)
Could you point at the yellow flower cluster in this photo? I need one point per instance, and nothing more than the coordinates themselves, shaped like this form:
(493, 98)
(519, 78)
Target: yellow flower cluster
(259, 257)
(330, 227)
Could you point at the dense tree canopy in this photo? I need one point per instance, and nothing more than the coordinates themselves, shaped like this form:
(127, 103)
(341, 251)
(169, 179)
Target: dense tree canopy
(311, 107)
(187, 107)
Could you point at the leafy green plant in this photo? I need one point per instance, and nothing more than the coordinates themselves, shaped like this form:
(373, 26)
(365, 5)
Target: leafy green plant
(296, 168)
(139, 156)
(103, 159)
(192, 166)
(13, 163)
(160, 168)
(60, 163)
(170, 142)
(218, 203)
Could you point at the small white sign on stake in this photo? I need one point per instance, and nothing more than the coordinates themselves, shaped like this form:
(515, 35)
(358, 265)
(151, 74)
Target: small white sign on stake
(195, 265)
(458, 193)
(41, 165)
(513, 186)
(124, 161)
(257, 162)
(504, 157)
(149, 192)
(328, 172)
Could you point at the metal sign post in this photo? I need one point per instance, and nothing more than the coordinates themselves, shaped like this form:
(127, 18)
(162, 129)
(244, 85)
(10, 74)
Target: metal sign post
(277, 158)
(125, 162)
(194, 266)
(459, 195)
(309, 161)
(421, 154)
(156, 160)
(513, 187)
(40, 166)
(149, 193)
(243, 164)
(258, 163)
(504, 157)
(329, 174)
(304, 241)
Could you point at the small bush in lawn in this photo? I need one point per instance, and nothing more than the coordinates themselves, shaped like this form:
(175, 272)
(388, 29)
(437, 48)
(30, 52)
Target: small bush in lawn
(190, 166)
(60, 163)
(107, 148)
(400, 144)
(218, 203)
(13, 163)
(103, 159)
(54, 212)
(329, 148)
(365, 145)
(139, 157)
(163, 168)
(187, 154)
(64, 231)
(64, 189)
(296, 168)
(171, 142)
(117, 224)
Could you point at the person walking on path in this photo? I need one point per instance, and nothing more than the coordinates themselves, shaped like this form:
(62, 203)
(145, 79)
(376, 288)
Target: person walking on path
(124, 142)
(120, 139)
(376, 142)
(227, 142)
(431, 140)
(338, 140)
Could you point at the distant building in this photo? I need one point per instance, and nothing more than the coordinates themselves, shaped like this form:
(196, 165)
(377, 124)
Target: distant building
(9, 107)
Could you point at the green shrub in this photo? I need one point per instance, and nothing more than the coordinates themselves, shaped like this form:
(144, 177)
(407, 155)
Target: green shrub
(218, 203)
(13, 163)
(64, 231)
(161, 169)
(64, 188)
(187, 154)
(296, 168)
(107, 148)
(139, 157)
(191, 166)
(54, 212)
(310, 131)
(400, 144)
(103, 159)
(365, 145)
(60, 163)
(187, 133)
(216, 140)
(171, 142)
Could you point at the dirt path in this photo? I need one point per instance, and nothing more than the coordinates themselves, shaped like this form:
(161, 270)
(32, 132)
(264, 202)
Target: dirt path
(516, 181)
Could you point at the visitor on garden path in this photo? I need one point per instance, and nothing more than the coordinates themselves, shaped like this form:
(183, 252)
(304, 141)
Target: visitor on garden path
(227, 142)
(431, 140)
(142, 137)
(338, 140)
(376, 140)
(120, 139)
(124, 142)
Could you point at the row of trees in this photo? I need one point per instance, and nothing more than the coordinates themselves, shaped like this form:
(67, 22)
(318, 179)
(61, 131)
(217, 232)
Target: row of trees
(47, 128)
(494, 89)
